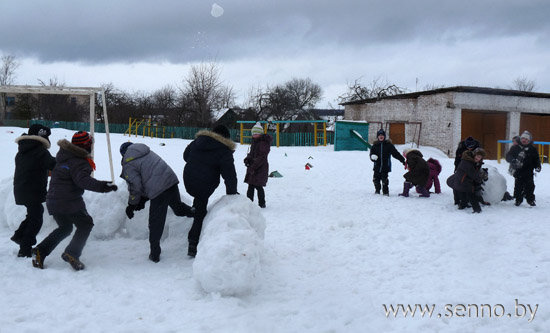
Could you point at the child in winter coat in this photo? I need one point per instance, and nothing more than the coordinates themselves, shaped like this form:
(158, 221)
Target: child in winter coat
(208, 157)
(257, 166)
(524, 159)
(32, 163)
(433, 178)
(380, 153)
(70, 177)
(418, 173)
(469, 144)
(150, 178)
(467, 178)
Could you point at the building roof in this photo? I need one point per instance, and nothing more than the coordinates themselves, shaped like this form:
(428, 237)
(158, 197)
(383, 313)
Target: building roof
(464, 89)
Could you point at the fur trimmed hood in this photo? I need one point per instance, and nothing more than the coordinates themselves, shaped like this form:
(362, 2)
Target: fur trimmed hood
(38, 138)
(73, 149)
(379, 142)
(230, 144)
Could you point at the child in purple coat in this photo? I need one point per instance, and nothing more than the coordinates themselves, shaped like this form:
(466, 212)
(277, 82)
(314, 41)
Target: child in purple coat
(433, 178)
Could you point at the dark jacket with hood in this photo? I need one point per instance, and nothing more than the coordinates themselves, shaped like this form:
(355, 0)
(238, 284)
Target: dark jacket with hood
(70, 177)
(418, 168)
(467, 175)
(208, 157)
(146, 173)
(463, 146)
(257, 170)
(32, 163)
(384, 150)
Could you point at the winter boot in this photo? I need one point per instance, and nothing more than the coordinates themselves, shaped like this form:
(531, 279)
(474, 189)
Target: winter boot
(38, 258)
(16, 238)
(192, 249)
(386, 190)
(377, 188)
(24, 253)
(475, 205)
(154, 255)
(76, 264)
(423, 192)
(406, 187)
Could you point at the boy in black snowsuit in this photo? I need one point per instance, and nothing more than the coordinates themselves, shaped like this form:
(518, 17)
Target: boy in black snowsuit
(32, 163)
(70, 177)
(380, 153)
(524, 159)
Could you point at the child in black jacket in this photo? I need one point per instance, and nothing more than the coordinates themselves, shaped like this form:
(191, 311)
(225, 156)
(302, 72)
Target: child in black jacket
(524, 159)
(32, 163)
(380, 153)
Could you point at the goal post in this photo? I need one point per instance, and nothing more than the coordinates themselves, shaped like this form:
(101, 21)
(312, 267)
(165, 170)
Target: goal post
(82, 91)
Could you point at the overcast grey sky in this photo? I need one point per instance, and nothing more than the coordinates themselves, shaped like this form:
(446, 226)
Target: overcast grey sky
(145, 45)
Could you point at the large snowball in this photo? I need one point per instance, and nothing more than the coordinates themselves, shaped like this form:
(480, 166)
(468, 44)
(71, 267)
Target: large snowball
(495, 187)
(230, 248)
(217, 10)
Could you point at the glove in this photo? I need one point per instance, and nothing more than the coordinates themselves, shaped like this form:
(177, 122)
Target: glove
(248, 161)
(108, 187)
(537, 169)
(141, 203)
(373, 157)
(484, 174)
(516, 164)
(130, 211)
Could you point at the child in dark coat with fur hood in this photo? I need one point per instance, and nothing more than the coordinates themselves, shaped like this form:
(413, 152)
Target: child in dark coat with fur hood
(418, 173)
(70, 178)
(467, 178)
(32, 163)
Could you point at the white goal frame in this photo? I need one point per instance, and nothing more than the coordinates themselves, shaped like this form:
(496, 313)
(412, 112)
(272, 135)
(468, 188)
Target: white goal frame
(83, 91)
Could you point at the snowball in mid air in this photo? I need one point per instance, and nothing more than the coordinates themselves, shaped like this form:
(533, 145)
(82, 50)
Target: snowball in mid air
(217, 10)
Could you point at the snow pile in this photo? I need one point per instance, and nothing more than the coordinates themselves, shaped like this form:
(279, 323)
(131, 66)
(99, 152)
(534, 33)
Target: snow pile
(230, 248)
(495, 187)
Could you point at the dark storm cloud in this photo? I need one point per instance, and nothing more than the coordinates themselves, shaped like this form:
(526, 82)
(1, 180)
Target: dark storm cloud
(181, 31)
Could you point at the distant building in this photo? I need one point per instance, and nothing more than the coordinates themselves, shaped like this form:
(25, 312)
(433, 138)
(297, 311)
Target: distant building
(443, 117)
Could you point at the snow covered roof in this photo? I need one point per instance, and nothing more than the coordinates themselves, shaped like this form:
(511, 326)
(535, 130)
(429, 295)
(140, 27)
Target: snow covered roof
(464, 89)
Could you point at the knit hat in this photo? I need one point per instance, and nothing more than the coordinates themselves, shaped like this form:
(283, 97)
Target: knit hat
(470, 143)
(83, 140)
(381, 132)
(222, 130)
(124, 147)
(257, 129)
(479, 151)
(43, 131)
(526, 135)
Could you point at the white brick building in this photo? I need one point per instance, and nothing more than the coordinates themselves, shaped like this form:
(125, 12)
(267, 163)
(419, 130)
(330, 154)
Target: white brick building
(443, 117)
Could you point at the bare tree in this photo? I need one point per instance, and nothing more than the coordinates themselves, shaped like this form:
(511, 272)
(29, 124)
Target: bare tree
(7, 77)
(377, 88)
(523, 84)
(204, 87)
(284, 101)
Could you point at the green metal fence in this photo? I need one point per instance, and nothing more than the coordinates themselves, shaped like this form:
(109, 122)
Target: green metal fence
(286, 139)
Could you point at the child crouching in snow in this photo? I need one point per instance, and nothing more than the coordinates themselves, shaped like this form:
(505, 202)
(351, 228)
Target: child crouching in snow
(70, 177)
(433, 178)
(418, 173)
(467, 178)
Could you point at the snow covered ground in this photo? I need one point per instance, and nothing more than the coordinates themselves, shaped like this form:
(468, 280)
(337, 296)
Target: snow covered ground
(334, 256)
